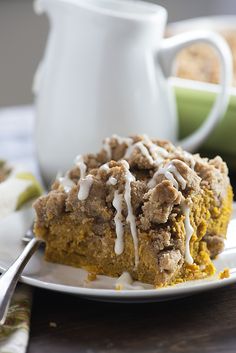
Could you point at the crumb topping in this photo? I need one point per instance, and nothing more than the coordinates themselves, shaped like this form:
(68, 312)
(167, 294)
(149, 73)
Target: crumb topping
(200, 62)
(135, 183)
(224, 274)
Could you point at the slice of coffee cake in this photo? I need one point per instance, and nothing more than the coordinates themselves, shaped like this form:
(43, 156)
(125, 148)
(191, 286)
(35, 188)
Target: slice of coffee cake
(140, 206)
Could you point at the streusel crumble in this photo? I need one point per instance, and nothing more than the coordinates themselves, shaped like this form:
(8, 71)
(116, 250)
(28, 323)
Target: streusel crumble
(140, 206)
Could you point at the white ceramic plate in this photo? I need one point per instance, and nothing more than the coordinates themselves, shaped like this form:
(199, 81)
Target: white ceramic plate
(66, 279)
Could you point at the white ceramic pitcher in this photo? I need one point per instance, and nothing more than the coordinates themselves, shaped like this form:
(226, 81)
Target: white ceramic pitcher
(105, 70)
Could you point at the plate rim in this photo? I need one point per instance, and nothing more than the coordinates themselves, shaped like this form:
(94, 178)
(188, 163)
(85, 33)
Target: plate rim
(174, 291)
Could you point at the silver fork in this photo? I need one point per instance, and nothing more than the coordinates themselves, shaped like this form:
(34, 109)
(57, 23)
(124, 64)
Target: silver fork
(10, 277)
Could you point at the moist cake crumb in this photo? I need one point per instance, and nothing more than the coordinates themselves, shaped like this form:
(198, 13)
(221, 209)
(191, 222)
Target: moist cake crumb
(147, 208)
(224, 274)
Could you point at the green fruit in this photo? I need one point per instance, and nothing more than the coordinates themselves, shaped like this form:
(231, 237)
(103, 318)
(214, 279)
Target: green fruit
(2, 163)
(32, 191)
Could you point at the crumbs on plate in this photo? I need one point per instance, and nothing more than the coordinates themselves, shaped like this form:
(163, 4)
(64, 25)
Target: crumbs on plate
(224, 274)
(91, 276)
(52, 324)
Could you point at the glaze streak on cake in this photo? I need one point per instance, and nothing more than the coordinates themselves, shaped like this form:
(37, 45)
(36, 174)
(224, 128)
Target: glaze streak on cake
(142, 206)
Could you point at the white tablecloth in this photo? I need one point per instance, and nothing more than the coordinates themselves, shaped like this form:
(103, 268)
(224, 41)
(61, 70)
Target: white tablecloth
(17, 146)
(16, 136)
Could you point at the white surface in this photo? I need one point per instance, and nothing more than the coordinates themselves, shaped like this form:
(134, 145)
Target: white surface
(16, 137)
(23, 36)
(105, 70)
(71, 280)
(213, 23)
(199, 86)
(10, 191)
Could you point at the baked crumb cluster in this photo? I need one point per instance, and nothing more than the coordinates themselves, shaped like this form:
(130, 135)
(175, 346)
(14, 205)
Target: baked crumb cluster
(142, 187)
(200, 62)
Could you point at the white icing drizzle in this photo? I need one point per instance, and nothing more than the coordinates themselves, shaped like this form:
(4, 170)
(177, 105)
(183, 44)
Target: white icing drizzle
(154, 153)
(143, 149)
(79, 161)
(183, 183)
(157, 152)
(189, 157)
(188, 232)
(168, 175)
(152, 182)
(117, 203)
(171, 173)
(125, 281)
(84, 187)
(130, 217)
(107, 147)
(112, 181)
(127, 140)
(66, 182)
(105, 167)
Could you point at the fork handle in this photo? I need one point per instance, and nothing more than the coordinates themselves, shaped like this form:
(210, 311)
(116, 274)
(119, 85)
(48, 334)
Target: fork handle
(9, 279)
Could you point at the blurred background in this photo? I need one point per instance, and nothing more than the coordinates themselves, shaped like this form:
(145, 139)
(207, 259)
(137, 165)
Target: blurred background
(23, 35)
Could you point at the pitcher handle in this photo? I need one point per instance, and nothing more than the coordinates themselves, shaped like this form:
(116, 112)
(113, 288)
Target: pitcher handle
(166, 55)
